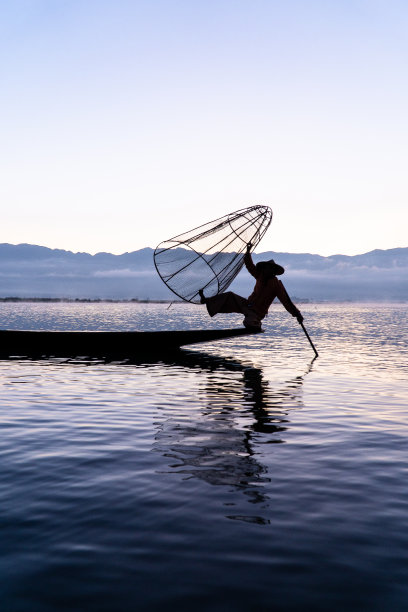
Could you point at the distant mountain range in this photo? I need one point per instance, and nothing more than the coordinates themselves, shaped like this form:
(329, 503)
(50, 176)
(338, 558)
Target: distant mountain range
(34, 271)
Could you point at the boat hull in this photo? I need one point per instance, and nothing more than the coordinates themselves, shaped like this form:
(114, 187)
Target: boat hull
(16, 343)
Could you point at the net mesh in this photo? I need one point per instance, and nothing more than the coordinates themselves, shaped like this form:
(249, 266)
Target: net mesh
(210, 256)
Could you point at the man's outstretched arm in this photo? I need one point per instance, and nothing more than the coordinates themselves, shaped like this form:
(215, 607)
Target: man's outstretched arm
(250, 266)
(287, 302)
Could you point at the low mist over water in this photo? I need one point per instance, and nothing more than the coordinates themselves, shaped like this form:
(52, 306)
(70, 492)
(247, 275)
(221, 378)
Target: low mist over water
(238, 475)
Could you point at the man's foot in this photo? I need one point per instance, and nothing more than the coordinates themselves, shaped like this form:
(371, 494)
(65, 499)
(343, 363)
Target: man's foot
(203, 299)
(252, 322)
(253, 328)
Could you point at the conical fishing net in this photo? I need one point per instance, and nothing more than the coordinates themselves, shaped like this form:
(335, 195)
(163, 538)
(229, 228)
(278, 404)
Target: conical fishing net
(210, 256)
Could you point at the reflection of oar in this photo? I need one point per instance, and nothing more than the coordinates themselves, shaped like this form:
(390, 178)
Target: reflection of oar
(308, 337)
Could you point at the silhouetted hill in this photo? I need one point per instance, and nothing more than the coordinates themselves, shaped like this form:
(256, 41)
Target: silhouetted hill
(34, 271)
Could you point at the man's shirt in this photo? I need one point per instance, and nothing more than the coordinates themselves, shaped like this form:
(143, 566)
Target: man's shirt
(265, 292)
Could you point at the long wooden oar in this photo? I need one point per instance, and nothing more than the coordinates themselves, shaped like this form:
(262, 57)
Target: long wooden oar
(308, 337)
(303, 327)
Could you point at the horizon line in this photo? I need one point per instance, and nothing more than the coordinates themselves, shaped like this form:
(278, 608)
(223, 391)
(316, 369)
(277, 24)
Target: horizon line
(92, 254)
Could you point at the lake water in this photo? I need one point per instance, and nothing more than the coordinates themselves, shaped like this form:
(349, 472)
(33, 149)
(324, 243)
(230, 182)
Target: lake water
(238, 475)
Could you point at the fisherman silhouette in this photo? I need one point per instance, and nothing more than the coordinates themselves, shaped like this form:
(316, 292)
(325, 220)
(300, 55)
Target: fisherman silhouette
(256, 306)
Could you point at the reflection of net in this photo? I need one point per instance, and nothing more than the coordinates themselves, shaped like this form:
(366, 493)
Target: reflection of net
(210, 256)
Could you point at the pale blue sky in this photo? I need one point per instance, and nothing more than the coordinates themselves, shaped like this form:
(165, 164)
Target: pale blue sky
(125, 122)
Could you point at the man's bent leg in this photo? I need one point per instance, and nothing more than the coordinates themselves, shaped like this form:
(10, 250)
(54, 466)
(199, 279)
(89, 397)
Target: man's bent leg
(226, 302)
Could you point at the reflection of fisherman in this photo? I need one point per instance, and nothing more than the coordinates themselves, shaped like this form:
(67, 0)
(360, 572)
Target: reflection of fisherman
(212, 446)
(255, 308)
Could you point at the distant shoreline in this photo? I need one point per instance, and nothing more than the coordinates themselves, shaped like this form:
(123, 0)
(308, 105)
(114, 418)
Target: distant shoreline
(297, 300)
(88, 300)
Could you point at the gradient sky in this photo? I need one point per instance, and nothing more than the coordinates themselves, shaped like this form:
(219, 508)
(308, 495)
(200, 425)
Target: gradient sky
(124, 122)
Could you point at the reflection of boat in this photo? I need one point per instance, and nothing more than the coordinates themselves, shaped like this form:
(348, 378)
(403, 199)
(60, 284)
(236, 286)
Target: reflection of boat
(100, 343)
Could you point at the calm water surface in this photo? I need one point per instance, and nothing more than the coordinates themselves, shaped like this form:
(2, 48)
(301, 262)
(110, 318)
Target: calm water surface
(238, 475)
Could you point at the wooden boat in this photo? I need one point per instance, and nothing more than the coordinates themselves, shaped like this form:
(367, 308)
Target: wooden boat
(102, 344)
